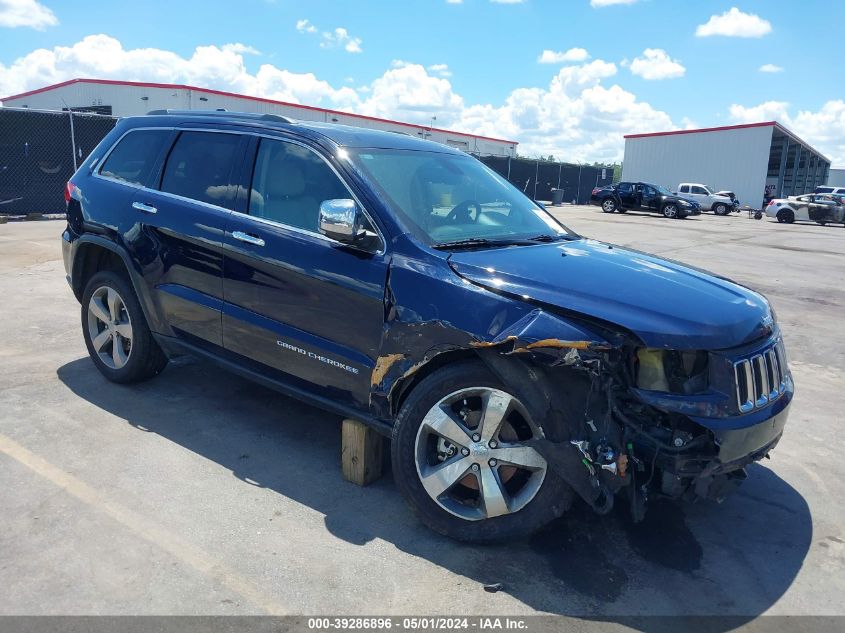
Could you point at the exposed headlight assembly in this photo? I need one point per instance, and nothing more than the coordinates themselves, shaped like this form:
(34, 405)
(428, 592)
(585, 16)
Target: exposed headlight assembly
(671, 371)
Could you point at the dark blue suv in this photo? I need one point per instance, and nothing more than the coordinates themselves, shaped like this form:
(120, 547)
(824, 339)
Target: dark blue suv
(515, 365)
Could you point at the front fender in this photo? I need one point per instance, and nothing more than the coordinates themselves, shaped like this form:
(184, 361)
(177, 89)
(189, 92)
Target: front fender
(428, 314)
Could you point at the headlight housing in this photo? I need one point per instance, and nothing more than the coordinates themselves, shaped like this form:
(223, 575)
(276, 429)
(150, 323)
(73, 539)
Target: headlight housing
(679, 372)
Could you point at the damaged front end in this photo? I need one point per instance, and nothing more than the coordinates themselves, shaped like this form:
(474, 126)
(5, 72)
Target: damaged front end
(626, 422)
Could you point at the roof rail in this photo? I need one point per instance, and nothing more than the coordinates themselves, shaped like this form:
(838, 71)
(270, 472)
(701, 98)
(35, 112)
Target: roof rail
(251, 116)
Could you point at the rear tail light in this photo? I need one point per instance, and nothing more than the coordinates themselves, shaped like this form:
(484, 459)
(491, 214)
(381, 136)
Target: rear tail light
(70, 188)
(596, 190)
(771, 202)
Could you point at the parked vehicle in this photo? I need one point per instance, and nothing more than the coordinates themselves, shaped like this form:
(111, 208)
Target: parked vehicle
(643, 196)
(514, 364)
(732, 196)
(706, 199)
(819, 208)
(829, 189)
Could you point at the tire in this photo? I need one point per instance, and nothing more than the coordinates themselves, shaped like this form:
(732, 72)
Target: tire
(670, 211)
(418, 450)
(116, 332)
(621, 210)
(608, 205)
(720, 209)
(786, 216)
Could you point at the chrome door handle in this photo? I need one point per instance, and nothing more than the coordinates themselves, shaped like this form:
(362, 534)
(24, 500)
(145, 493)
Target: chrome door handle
(246, 237)
(146, 208)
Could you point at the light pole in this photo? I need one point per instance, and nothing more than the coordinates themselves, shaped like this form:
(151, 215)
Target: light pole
(430, 126)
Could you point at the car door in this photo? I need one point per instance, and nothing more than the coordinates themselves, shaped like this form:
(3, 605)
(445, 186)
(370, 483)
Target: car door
(180, 238)
(699, 195)
(625, 191)
(650, 199)
(297, 302)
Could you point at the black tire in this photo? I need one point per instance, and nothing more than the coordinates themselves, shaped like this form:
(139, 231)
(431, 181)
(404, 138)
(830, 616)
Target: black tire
(671, 211)
(786, 216)
(608, 205)
(550, 501)
(145, 358)
(720, 209)
(621, 210)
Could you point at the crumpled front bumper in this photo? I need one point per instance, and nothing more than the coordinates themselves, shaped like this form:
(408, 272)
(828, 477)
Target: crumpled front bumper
(715, 477)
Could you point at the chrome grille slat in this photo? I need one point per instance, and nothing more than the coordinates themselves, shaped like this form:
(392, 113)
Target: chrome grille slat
(761, 379)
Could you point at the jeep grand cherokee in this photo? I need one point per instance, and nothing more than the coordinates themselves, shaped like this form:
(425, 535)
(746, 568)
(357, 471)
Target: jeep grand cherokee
(515, 365)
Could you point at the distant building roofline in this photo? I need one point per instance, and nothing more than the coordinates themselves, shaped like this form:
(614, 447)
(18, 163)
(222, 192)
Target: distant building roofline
(223, 93)
(778, 126)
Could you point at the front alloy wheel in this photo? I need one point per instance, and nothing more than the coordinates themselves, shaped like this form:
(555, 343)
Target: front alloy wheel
(609, 205)
(460, 457)
(469, 458)
(670, 211)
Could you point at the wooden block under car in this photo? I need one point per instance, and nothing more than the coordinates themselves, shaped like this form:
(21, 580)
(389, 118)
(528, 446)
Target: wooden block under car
(362, 453)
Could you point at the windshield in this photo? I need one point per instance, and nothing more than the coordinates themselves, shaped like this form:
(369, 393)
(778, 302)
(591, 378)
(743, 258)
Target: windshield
(663, 190)
(452, 198)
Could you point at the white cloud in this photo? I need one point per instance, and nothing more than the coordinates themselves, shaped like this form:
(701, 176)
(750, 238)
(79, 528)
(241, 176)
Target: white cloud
(734, 23)
(507, 1)
(340, 38)
(305, 26)
(441, 69)
(770, 68)
(337, 38)
(824, 129)
(656, 64)
(608, 3)
(559, 57)
(31, 13)
(454, 1)
(580, 114)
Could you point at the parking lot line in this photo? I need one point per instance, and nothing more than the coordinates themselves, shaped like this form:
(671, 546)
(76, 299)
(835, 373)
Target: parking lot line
(147, 529)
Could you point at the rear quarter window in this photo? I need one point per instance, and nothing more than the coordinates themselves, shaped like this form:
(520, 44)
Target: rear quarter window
(133, 158)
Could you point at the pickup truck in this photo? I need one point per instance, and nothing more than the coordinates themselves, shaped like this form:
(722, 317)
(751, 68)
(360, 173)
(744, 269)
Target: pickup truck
(643, 196)
(704, 196)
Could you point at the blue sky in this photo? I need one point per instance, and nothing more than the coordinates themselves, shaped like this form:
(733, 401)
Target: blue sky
(631, 66)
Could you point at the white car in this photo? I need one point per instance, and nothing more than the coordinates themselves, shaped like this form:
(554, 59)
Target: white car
(704, 196)
(822, 208)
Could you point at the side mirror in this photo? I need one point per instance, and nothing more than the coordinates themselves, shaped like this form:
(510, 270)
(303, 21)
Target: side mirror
(341, 220)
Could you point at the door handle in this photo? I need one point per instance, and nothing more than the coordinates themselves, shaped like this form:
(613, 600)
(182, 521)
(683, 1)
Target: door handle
(146, 208)
(246, 237)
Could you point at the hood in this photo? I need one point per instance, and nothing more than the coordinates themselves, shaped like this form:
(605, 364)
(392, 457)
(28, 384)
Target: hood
(666, 304)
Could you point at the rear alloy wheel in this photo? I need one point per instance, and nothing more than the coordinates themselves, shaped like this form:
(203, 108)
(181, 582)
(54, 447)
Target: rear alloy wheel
(670, 211)
(460, 459)
(608, 205)
(115, 330)
(109, 327)
(720, 209)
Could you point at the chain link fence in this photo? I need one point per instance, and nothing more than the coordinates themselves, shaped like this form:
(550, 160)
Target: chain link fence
(39, 152)
(538, 178)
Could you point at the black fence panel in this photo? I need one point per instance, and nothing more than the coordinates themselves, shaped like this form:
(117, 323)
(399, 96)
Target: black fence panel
(537, 178)
(37, 156)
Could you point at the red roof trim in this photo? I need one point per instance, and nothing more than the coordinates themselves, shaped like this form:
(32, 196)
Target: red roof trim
(707, 129)
(222, 93)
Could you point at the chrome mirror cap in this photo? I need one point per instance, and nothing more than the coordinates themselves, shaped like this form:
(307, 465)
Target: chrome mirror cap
(341, 220)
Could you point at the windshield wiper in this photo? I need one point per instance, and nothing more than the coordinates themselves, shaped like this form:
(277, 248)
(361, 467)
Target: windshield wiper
(482, 242)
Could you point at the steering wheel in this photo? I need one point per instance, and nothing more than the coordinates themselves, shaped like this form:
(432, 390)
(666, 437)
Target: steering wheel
(461, 212)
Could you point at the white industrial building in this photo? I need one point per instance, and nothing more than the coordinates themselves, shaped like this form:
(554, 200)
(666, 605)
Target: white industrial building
(836, 177)
(131, 98)
(746, 159)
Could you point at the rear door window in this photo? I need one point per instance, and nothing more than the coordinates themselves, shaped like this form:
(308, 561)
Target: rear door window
(200, 167)
(134, 157)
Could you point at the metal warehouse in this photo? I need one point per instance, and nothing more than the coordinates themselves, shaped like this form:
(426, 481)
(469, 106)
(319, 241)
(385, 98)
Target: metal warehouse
(747, 159)
(130, 98)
